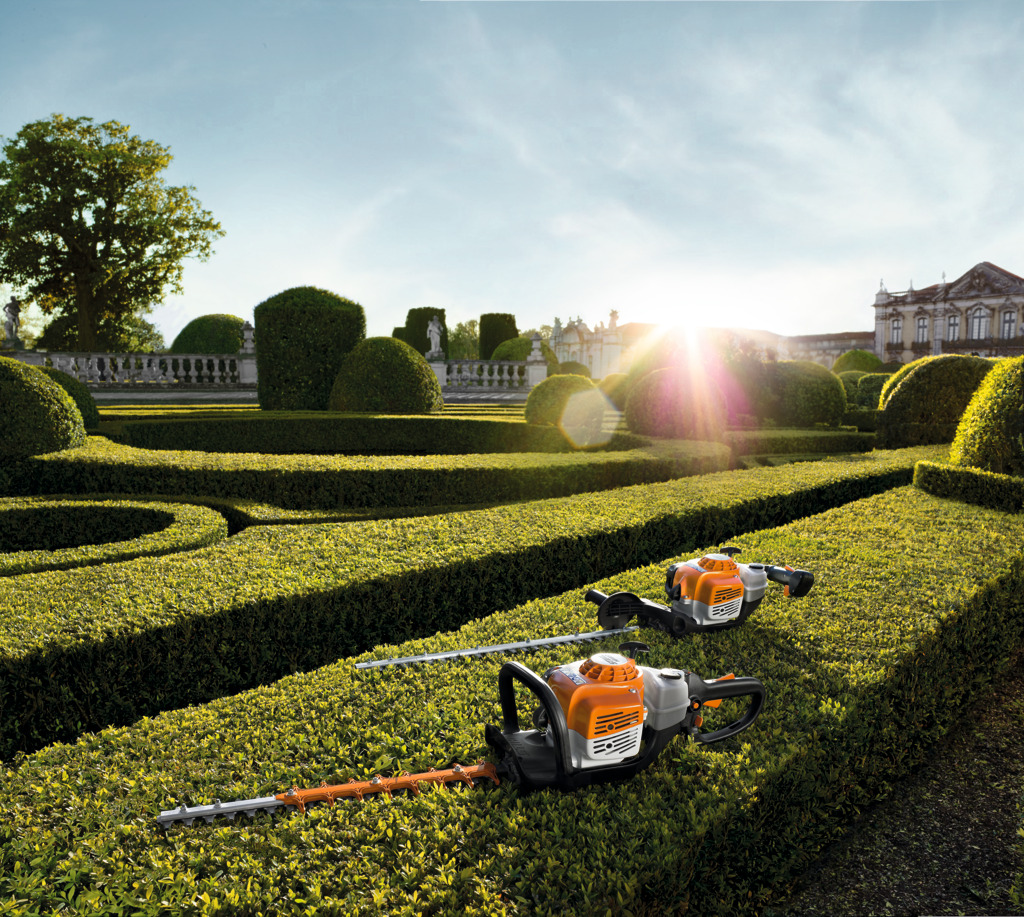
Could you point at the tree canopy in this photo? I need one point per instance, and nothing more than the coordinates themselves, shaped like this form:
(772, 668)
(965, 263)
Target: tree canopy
(88, 227)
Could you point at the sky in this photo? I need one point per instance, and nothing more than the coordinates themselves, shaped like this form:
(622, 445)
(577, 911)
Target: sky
(759, 165)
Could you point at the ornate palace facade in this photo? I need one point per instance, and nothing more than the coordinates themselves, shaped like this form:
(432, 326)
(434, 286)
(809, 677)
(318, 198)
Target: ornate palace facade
(979, 312)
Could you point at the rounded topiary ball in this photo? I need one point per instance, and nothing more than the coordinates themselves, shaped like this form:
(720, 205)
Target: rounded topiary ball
(857, 360)
(574, 368)
(36, 415)
(546, 402)
(216, 333)
(934, 389)
(869, 388)
(676, 404)
(384, 375)
(806, 394)
(520, 348)
(79, 393)
(991, 432)
(850, 379)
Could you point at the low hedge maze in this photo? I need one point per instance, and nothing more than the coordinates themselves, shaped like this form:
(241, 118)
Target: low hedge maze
(864, 675)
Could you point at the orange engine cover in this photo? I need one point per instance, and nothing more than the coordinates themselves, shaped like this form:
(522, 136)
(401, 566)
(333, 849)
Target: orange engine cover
(710, 580)
(602, 696)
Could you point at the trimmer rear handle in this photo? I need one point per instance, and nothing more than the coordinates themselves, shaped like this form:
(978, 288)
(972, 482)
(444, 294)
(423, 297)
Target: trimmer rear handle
(798, 582)
(708, 692)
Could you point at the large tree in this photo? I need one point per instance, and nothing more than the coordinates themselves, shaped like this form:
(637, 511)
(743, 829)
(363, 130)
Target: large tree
(88, 227)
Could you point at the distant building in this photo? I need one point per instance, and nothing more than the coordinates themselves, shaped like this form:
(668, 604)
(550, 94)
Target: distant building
(602, 350)
(979, 312)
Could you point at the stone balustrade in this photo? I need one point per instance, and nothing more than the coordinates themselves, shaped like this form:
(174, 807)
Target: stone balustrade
(106, 370)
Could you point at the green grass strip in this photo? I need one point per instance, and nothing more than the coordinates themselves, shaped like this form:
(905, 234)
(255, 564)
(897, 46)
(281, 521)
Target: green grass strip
(81, 649)
(864, 674)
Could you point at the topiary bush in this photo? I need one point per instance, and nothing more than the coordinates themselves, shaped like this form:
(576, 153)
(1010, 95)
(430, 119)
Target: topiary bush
(574, 368)
(990, 435)
(304, 335)
(856, 361)
(928, 399)
(677, 404)
(546, 401)
(869, 389)
(850, 378)
(215, 333)
(519, 348)
(495, 329)
(36, 415)
(79, 393)
(805, 394)
(383, 375)
(614, 388)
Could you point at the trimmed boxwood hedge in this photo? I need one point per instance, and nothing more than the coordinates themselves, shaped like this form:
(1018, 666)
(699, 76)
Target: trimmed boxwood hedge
(336, 482)
(318, 433)
(780, 442)
(83, 648)
(79, 393)
(37, 416)
(60, 533)
(971, 485)
(863, 675)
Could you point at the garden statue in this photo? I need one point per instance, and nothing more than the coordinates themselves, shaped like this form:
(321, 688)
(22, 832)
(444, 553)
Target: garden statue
(434, 330)
(12, 323)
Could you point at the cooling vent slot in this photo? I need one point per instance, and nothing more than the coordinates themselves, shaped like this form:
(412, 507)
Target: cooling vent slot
(726, 594)
(618, 745)
(613, 722)
(728, 610)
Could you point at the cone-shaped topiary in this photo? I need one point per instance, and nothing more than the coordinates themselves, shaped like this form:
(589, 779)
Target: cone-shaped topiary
(991, 432)
(79, 393)
(676, 403)
(36, 415)
(216, 333)
(806, 394)
(857, 360)
(384, 375)
(547, 400)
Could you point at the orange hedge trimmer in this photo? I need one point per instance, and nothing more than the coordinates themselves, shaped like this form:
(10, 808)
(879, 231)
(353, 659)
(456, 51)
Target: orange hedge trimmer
(600, 719)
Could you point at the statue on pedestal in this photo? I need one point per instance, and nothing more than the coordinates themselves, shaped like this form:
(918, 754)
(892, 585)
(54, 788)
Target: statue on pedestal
(12, 323)
(434, 332)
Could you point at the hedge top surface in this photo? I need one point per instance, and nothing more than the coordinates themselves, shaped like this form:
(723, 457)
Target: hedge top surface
(991, 431)
(36, 415)
(268, 563)
(126, 529)
(834, 659)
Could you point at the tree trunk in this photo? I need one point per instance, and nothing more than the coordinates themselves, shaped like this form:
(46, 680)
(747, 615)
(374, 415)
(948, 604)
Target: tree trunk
(85, 307)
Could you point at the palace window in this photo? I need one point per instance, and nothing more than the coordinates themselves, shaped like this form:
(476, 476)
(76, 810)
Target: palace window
(953, 328)
(979, 325)
(896, 334)
(1009, 324)
(921, 335)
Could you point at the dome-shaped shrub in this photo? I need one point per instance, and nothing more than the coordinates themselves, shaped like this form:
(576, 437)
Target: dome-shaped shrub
(850, 378)
(896, 376)
(676, 404)
(926, 404)
(991, 432)
(386, 376)
(806, 394)
(547, 400)
(79, 393)
(869, 388)
(520, 348)
(303, 335)
(857, 360)
(574, 368)
(614, 388)
(216, 333)
(36, 415)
